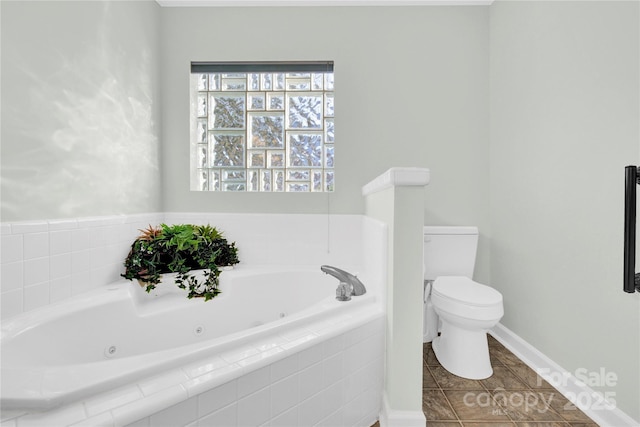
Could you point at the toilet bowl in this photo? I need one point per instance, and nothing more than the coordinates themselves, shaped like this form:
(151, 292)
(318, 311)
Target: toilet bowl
(466, 310)
(458, 311)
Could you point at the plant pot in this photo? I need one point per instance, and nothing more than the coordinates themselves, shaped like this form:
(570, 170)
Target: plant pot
(168, 284)
(180, 247)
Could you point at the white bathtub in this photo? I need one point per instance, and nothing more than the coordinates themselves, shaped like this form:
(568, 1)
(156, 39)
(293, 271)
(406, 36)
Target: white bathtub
(110, 341)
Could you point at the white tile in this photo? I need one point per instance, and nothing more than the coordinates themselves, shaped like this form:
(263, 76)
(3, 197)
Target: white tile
(8, 414)
(371, 402)
(373, 373)
(12, 276)
(332, 369)
(353, 412)
(284, 394)
(12, 248)
(157, 402)
(254, 409)
(335, 419)
(101, 420)
(283, 368)
(333, 397)
(5, 228)
(36, 245)
(213, 400)
(36, 271)
(287, 419)
(354, 336)
(11, 303)
(60, 266)
(212, 379)
(176, 415)
(333, 346)
(105, 275)
(261, 359)
(226, 416)
(371, 348)
(80, 282)
(253, 381)
(234, 355)
(80, 261)
(202, 367)
(98, 237)
(59, 289)
(310, 412)
(36, 296)
(123, 235)
(269, 343)
(62, 224)
(137, 218)
(311, 381)
(310, 356)
(113, 233)
(80, 239)
(355, 383)
(101, 221)
(352, 359)
(98, 257)
(116, 253)
(23, 227)
(144, 422)
(160, 382)
(60, 242)
(9, 423)
(301, 343)
(64, 416)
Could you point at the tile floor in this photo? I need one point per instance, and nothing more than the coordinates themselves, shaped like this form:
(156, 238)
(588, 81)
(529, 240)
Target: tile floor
(513, 396)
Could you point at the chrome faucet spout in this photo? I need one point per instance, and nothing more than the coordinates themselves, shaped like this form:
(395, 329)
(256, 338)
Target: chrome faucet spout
(357, 288)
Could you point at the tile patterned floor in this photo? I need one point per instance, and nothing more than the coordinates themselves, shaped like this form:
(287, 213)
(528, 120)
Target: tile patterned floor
(514, 396)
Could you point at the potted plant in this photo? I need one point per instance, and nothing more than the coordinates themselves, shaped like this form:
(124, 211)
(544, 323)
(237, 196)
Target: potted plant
(180, 249)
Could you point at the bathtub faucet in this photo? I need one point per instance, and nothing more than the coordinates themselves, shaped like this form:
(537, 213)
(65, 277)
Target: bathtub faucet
(349, 284)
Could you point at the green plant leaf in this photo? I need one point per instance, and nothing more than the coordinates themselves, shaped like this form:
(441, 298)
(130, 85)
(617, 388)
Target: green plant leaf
(180, 248)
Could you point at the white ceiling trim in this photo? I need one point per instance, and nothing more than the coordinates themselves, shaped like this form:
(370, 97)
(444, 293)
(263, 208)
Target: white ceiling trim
(253, 3)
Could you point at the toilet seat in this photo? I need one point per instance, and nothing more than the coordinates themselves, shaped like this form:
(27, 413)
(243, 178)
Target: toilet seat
(462, 297)
(464, 290)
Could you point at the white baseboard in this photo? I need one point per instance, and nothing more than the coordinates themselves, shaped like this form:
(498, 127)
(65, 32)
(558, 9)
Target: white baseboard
(592, 403)
(394, 418)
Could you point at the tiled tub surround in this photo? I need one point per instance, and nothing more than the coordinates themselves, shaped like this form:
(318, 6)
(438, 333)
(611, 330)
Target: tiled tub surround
(323, 371)
(42, 262)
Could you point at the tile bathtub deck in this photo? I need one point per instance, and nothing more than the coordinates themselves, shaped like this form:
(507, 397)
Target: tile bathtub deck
(514, 396)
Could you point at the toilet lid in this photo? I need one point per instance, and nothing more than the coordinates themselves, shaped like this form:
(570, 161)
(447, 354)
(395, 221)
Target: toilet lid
(465, 290)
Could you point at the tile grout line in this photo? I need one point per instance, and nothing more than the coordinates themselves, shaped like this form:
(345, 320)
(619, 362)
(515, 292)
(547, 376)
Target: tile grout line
(523, 384)
(446, 398)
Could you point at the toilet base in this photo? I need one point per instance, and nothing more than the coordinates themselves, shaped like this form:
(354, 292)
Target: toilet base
(463, 352)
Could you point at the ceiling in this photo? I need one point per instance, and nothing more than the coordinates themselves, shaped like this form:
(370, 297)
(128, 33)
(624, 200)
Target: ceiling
(249, 3)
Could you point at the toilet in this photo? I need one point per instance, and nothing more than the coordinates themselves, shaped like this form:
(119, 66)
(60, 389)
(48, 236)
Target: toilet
(458, 312)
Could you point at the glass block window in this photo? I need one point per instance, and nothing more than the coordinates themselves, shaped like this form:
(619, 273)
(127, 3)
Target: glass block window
(262, 127)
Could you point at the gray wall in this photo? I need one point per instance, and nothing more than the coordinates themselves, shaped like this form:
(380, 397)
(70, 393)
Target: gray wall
(564, 123)
(80, 109)
(411, 90)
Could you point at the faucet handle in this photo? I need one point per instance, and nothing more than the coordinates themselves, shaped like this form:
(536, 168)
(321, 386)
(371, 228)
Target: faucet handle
(344, 292)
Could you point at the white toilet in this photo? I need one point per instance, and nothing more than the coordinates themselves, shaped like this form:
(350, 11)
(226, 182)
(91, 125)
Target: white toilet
(458, 311)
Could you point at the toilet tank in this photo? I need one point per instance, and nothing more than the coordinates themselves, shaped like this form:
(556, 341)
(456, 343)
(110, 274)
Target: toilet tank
(449, 251)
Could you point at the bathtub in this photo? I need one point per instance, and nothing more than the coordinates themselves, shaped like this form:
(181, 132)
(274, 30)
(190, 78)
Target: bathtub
(111, 353)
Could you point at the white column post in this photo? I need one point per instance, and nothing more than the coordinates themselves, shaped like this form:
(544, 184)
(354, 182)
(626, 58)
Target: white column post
(397, 198)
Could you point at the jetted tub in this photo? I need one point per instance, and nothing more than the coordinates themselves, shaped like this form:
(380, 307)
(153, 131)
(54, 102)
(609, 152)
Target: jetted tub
(117, 335)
